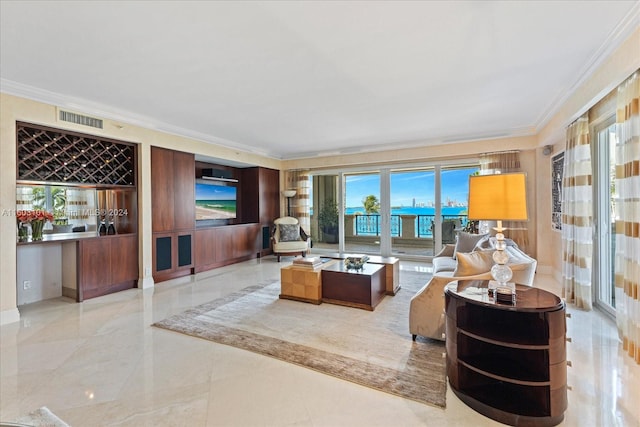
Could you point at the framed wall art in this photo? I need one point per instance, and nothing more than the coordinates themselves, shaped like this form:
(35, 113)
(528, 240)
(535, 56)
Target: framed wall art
(557, 173)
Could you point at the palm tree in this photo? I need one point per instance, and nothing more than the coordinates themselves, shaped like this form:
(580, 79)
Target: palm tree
(371, 204)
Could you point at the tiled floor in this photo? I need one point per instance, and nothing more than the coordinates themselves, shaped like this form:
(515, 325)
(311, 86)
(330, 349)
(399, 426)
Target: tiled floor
(100, 363)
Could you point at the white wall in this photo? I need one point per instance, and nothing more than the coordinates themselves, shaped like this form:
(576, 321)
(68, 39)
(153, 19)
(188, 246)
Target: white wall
(41, 264)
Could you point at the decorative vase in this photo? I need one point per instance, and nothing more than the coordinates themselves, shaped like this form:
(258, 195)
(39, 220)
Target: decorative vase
(36, 229)
(23, 232)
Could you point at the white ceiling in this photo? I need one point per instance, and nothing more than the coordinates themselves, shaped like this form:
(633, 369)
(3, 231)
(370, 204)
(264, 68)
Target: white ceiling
(296, 79)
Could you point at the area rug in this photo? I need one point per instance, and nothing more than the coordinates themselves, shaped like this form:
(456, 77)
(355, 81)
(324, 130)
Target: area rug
(373, 349)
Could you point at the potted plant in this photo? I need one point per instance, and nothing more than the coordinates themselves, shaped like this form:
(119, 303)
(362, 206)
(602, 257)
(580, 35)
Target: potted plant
(328, 221)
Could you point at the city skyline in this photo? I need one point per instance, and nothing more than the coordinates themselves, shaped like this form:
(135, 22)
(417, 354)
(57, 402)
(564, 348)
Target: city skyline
(407, 187)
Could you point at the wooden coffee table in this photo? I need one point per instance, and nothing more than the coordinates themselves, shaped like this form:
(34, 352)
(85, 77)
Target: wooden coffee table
(302, 283)
(354, 288)
(391, 268)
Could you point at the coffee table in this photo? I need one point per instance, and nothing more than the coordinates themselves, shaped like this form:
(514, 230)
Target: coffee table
(353, 288)
(391, 266)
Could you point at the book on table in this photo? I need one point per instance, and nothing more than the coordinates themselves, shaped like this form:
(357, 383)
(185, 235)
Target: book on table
(310, 262)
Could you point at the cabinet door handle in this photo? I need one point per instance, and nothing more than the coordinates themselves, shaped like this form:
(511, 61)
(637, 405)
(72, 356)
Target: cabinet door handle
(569, 363)
(569, 339)
(568, 315)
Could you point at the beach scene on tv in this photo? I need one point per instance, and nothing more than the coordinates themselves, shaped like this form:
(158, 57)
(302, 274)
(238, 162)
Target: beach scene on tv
(215, 201)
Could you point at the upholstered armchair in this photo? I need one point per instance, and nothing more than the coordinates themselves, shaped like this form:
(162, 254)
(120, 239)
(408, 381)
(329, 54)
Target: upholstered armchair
(289, 238)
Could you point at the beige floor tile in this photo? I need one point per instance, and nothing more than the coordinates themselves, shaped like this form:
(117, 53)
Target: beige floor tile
(101, 363)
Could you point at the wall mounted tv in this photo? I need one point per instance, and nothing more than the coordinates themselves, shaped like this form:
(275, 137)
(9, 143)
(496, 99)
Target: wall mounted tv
(215, 200)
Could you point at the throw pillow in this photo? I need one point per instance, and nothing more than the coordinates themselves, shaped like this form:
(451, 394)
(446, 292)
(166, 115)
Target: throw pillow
(446, 251)
(466, 242)
(472, 263)
(289, 232)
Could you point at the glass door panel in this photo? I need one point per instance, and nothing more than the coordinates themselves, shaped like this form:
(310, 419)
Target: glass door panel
(324, 213)
(412, 212)
(454, 183)
(606, 196)
(362, 219)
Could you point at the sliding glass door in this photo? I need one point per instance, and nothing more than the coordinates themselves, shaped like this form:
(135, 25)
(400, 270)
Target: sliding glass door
(412, 211)
(605, 216)
(362, 216)
(407, 212)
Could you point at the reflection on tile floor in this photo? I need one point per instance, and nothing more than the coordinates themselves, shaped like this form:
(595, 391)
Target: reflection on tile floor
(100, 363)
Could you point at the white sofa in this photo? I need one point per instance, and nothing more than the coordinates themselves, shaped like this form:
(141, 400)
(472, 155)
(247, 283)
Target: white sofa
(426, 311)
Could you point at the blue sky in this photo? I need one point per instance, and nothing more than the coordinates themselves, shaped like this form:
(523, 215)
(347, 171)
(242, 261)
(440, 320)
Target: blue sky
(215, 192)
(405, 186)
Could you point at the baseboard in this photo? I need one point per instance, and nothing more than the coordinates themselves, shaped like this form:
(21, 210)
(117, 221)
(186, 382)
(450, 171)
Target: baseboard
(70, 293)
(9, 316)
(146, 282)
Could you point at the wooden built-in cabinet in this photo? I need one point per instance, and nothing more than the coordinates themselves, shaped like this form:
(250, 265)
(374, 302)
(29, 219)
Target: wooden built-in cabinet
(173, 190)
(218, 246)
(173, 253)
(182, 245)
(261, 202)
(106, 264)
(173, 212)
(48, 157)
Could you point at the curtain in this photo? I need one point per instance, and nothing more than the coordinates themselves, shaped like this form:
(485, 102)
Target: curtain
(299, 180)
(627, 182)
(577, 216)
(505, 162)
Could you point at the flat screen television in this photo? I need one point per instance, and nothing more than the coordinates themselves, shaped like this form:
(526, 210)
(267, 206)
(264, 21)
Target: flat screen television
(215, 200)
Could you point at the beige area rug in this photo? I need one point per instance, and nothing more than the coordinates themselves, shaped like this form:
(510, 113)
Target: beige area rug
(41, 417)
(373, 349)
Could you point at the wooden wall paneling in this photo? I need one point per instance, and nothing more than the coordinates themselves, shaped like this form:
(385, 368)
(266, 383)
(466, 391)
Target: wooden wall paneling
(184, 191)
(162, 190)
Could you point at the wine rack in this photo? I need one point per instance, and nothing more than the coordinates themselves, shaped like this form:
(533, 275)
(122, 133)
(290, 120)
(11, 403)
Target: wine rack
(53, 155)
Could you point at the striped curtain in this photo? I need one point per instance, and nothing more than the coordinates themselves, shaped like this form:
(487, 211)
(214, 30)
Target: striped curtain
(299, 180)
(577, 216)
(627, 181)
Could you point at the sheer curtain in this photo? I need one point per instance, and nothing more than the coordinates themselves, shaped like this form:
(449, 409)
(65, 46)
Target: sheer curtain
(299, 180)
(577, 216)
(627, 181)
(504, 162)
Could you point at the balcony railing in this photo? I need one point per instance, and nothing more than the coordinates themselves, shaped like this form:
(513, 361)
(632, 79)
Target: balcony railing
(408, 226)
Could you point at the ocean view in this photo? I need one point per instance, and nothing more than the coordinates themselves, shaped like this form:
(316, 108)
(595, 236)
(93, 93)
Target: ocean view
(446, 211)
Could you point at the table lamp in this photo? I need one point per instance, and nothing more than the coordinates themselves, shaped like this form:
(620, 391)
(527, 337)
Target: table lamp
(498, 198)
(289, 194)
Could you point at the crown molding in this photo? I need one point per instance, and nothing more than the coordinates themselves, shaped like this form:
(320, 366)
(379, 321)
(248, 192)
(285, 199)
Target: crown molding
(107, 112)
(618, 35)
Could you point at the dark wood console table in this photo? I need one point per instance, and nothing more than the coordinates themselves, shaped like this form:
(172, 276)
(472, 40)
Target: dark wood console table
(507, 361)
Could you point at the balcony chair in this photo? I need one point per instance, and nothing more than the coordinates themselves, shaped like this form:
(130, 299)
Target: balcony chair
(289, 238)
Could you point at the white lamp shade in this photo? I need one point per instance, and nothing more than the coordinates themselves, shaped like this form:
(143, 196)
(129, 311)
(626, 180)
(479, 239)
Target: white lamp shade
(289, 193)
